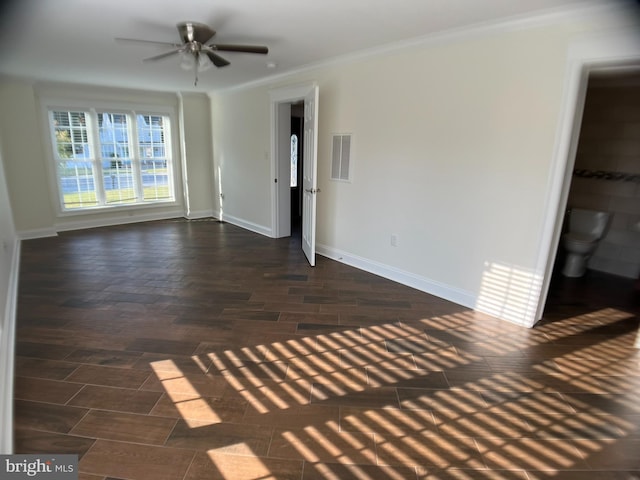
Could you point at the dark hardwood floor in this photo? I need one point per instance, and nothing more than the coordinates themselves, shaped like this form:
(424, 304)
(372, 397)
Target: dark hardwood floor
(197, 350)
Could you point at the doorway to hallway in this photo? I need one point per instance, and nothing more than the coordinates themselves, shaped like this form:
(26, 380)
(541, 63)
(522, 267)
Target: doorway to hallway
(283, 101)
(297, 168)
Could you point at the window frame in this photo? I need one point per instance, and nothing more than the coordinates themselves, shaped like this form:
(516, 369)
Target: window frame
(93, 108)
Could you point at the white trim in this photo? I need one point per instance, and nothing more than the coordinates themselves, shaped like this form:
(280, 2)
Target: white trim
(427, 285)
(291, 93)
(198, 214)
(559, 179)
(124, 209)
(253, 227)
(36, 233)
(182, 154)
(88, 98)
(7, 342)
(273, 132)
(286, 94)
(102, 222)
(107, 222)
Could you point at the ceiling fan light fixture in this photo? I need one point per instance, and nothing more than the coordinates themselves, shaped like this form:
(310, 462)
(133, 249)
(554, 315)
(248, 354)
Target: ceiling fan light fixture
(204, 63)
(187, 61)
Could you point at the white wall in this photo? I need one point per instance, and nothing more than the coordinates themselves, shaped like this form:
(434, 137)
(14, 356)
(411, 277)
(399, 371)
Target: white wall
(9, 263)
(198, 155)
(25, 170)
(453, 145)
(241, 150)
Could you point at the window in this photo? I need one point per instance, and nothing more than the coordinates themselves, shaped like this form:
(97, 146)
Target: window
(294, 160)
(108, 158)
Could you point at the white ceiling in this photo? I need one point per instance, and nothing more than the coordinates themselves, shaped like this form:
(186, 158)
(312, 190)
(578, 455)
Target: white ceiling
(73, 40)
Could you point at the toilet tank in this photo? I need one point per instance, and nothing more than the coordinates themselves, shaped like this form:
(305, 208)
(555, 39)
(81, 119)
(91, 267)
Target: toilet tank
(588, 222)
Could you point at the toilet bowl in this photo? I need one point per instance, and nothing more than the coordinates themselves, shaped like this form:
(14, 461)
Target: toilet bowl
(586, 229)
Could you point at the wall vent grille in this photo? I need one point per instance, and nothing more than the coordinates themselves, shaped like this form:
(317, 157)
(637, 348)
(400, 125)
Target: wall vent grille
(341, 157)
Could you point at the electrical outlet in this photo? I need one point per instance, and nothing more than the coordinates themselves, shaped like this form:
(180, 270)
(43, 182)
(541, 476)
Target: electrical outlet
(394, 239)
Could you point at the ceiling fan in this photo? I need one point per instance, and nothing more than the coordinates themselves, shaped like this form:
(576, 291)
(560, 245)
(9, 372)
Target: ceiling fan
(195, 49)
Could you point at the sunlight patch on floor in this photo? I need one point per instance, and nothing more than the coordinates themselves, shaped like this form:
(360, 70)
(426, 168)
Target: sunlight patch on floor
(510, 293)
(497, 410)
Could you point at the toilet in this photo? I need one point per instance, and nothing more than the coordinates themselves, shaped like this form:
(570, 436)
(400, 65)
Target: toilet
(586, 229)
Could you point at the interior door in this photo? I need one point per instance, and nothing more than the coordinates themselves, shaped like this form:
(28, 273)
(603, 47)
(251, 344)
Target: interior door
(309, 175)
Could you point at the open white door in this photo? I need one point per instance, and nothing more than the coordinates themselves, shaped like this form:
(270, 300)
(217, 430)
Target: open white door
(309, 174)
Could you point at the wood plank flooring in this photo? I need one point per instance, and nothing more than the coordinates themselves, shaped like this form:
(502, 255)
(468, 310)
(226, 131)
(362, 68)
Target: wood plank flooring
(197, 350)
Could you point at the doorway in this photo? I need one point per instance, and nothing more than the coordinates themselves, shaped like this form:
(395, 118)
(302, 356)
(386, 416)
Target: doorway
(619, 56)
(289, 167)
(606, 177)
(296, 168)
(283, 101)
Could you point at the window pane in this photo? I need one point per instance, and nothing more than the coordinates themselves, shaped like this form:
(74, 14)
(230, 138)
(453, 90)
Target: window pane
(70, 130)
(154, 162)
(294, 160)
(151, 136)
(118, 181)
(114, 135)
(155, 180)
(77, 184)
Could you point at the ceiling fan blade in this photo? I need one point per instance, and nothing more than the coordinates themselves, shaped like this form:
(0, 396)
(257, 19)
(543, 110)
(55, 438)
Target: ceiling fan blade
(216, 59)
(239, 48)
(163, 55)
(152, 42)
(202, 33)
(195, 32)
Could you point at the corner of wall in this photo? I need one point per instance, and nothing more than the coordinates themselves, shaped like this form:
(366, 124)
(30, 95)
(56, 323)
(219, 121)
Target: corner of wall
(247, 225)
(7, 342)
(200, 214)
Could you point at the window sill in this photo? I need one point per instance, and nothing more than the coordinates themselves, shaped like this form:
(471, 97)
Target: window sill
(118, 208)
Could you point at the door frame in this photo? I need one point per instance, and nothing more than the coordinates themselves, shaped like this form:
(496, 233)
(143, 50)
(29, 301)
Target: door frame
(280, 207)
(588, 55)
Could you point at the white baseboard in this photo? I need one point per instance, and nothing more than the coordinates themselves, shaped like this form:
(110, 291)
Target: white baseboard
(84, 223)
(37, 233)
(122, 220)
(453, 294)
(254, 227)
(199, 214)
(7, 342)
